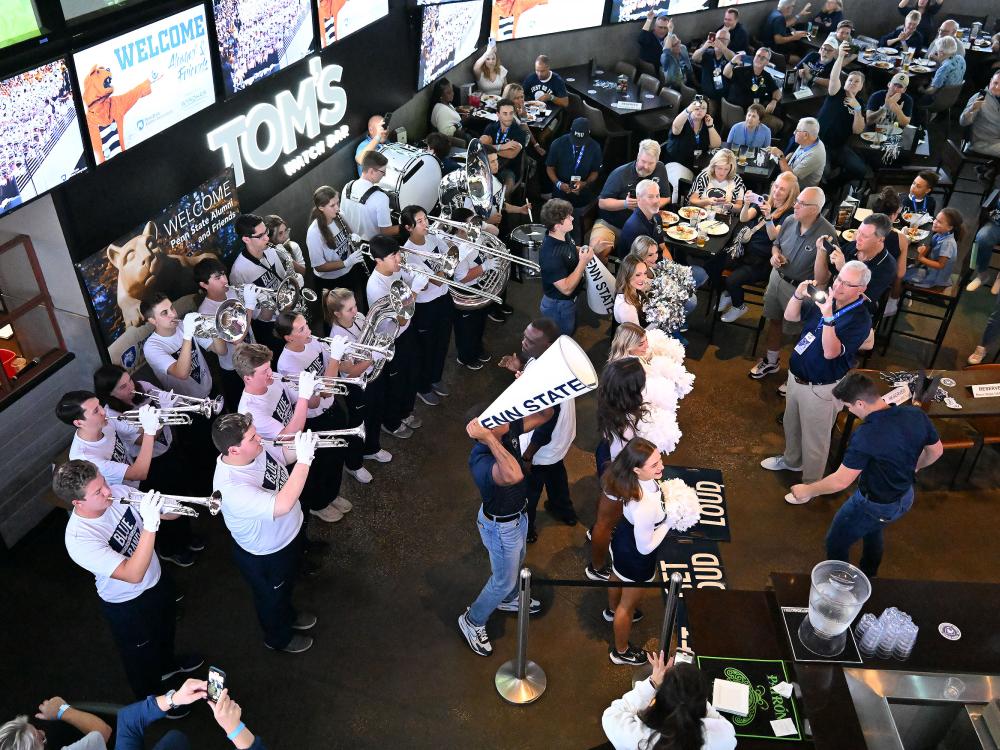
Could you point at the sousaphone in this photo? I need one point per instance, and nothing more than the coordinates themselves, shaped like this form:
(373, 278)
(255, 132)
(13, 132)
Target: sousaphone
(473, 181)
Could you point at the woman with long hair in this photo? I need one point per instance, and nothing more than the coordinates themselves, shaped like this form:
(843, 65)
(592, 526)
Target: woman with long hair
(629, 341)
(631, 284)
(668, 711)
(760, 223)
(491, 75)
(328, 241)
(281, 237)
(718, 186)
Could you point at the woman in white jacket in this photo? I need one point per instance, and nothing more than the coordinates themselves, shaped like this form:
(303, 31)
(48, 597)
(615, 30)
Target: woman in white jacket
(669, 711)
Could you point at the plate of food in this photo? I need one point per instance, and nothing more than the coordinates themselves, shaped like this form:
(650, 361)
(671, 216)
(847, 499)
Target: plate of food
(489, 100)
(535, 104)
(916, 234)
(849, 234)
(693, 213)
(682, 232)
(715, 227)
(925, 61)
(884, 64)
(909, 216)
(893, 129)
(890, 51)
(669, 217)
(919, 69)
(873, 137)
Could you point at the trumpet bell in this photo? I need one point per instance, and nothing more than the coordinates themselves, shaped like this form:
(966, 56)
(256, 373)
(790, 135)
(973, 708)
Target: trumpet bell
(231, 321)
(474, 181)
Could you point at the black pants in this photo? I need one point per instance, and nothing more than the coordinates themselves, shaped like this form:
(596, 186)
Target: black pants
(355, 280)
(366, 408)
(742, 273)
(327, 470)
(232, 389)
(401, 388)
(272, 580)
(168, 475)
(469, 327)
(552, 478)
(432, 324)
(143, 629)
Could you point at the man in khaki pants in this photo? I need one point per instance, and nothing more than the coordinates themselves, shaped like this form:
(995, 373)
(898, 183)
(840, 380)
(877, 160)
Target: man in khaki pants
(835, 324)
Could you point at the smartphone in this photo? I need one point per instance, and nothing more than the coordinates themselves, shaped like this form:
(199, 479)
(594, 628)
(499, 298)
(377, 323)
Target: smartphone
(386, 119)
(757, 200)
(711, 36)
(216, 683)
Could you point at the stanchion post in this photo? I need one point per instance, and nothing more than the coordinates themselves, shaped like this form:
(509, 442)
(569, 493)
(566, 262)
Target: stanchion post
(519, 680)
(670, 611)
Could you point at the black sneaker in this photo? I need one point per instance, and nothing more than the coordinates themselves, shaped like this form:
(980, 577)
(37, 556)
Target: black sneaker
(497, 317)
(532, 536)
(633, 657)
(182, 558)
(609, 615)
(506, 309)
(184, 664)
(763, 368)
(472, 366)
(485, 356)
(196, 543)
(297, 645)
(601, 574)
(305, 621)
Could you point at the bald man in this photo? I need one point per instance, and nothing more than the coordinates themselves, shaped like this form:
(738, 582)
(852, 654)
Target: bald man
(377, 135)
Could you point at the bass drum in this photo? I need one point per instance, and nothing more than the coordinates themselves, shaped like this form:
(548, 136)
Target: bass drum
(411, 177)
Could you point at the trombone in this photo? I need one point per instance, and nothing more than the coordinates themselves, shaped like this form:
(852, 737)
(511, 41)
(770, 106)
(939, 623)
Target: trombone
(433, 274)
(439, 263)
(177, 504)
(363, 350)
(214, 405)
(327, 438)
(327, 385)
(476, 235)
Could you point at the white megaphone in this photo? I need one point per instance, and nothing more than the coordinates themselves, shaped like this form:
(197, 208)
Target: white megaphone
(563, 372)
(600, 287)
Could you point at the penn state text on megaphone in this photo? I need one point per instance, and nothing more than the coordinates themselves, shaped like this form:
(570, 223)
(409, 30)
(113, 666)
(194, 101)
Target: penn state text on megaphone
(600, 287)
(563, 372)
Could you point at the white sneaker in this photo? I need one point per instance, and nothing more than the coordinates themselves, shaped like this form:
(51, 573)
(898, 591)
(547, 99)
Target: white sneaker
(724, 301)
(734, 313)
(342, 504)
(383, 456)
(995, 289)
(777, 463)
(891, 307)
(362, 475)
(974, 284)
(792, 500)
(783, 389)
(977, 356)
(413, 421)
(329, 514)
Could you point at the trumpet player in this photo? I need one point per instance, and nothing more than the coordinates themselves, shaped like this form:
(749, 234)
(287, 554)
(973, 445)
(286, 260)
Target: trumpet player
(264, 517)
(303, 352)
(211, 276)
(281, 410)
(398, 418)
(116, 542)
(434, 309)
(258, 263)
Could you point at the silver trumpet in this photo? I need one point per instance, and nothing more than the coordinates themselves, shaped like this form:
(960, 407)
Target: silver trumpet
(178, 415)
(177, 504)
(214, 405)
(327, 438)
(436, 262)
(482, 241)
(327, 385)
(229, 324)
(363, 350)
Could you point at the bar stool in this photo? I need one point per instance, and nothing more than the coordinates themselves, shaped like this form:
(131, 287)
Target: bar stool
(944, 300)
(988, 428)
(753, 295)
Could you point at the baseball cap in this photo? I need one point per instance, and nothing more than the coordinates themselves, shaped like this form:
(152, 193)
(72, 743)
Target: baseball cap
(829, 44)
(845, 24)
(900, 79)
(580, 129)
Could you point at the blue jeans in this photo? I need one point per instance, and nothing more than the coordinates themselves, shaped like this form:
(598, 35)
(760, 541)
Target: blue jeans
(562, 311)
(700, 279)
(506, 542)
(859, 518)
(987, 236)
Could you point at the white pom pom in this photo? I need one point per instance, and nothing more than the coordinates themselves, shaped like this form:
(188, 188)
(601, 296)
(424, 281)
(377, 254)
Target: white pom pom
(661, 393)
(660, 428)
(681, 504)
(675, 372)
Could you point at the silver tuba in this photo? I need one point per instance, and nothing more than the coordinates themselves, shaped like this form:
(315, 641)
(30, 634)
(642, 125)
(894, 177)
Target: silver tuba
(474, 182)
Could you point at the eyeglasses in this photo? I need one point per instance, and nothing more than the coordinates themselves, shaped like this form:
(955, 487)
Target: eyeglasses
(801, 203)
(259, 236)
(382, 170)
(847, 283)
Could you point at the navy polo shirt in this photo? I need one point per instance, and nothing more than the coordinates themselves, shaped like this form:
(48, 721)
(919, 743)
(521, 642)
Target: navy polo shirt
(883, 268)
(557, 259)
(514, 133)
(852, 329)
(709, 65)
(569, 159)
(636, 226)
(534, 87)
(622, 181)
(877, 101)
(739, 39)
(650, 48)
(885, 448)
(775, 24)
(498, 500)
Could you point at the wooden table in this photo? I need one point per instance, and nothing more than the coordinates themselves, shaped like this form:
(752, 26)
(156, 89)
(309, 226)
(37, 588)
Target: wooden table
(909, 146)
(755, 176)
(601, 90)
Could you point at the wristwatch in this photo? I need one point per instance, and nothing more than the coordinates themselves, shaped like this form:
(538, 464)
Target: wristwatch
(829, 321)
(170, 698)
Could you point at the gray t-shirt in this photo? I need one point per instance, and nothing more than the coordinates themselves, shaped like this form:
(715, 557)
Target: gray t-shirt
(799, 248)
(808, 163)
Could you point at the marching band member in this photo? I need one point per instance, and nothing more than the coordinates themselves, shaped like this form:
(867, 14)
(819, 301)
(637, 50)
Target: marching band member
(211, 276)
(401, 390)
(365, 205)
(328, 240)
(115, 541)
(469, 324)
(434, 309)
(262, 512)
(117, 392)
(259, 264)
(366, 404)
(278, 409)
(287, 248)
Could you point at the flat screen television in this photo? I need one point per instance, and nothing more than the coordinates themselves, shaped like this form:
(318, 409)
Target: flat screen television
(83, 10)
(257, 38)
(40, 141)
(449, 33)
(636, 10)
(144, 81)
(516, 20)
(18, 22)
(339, 18)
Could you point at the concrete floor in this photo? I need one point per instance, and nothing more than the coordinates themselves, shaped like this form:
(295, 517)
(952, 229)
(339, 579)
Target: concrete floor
(389, 668)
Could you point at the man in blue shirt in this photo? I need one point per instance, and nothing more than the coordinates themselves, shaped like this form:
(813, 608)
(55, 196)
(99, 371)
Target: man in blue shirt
(545, 85)
(509, 139)
(651, 36)
(892, 103)
(617, 200)
(739, 39)
(376, 136)
(834, 327)
(573, 165)
(886, 451)
(562, 265)
(868, 247)
(779, 33)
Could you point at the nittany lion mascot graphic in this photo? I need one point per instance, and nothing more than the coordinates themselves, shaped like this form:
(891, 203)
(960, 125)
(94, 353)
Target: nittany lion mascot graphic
(507, 14)
(328, 12)
(106, 111)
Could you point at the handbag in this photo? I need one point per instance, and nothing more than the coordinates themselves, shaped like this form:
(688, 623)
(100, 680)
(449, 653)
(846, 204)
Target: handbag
(735, 248)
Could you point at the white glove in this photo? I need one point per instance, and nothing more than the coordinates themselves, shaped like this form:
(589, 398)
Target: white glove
(338, 345)
(189, 324)
(166, 399)
(250, 296)
(419, 283)
(490, 264)
(353, 259)
(149, 418)
(305, 447)
(307, 384)
(150, 508)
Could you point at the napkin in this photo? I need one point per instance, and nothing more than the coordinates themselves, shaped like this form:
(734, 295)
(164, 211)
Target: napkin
(783, 727)
(784, 689)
